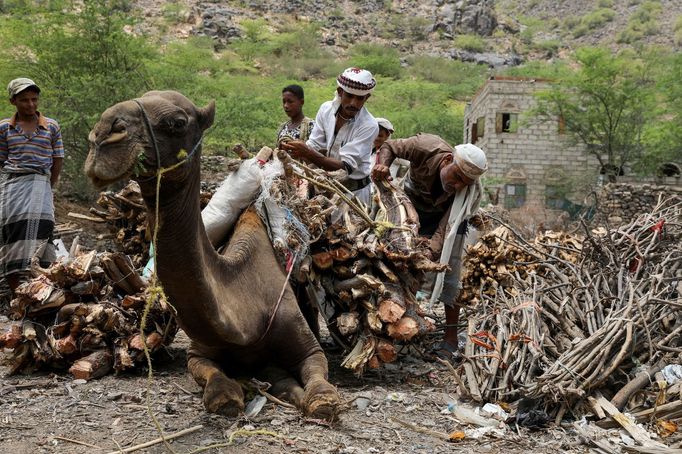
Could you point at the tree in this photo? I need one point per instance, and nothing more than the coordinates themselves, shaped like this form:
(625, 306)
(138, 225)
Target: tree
(604, 104)
(84, 61)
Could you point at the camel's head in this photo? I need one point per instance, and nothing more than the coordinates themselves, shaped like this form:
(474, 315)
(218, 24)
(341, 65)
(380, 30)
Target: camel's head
(121, 143)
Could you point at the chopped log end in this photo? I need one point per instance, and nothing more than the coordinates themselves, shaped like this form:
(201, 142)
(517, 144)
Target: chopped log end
(348, 323)
(390, 311)
(154, 340)
(95, 365)
(405, 329)
(386, 351)
(66, 345)
(323, 260)
(11, 338)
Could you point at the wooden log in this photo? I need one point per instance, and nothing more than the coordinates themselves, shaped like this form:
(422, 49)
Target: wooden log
(386, 271)
(12, 337)
(386, 351)
(154, 340)
(323, 260)
(127, 269)
(343, 254)
(95, 365)
(348, 323)
(392, 304)
(66, 345)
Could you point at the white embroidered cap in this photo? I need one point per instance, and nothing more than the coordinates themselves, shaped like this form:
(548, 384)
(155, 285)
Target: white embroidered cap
(356, 81)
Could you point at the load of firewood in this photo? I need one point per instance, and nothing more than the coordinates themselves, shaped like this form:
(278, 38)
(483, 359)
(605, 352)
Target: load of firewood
(83, 313)
(562, 317)
(362, 269)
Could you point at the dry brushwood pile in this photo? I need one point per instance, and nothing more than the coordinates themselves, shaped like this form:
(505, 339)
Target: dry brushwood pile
(83, 313)
(562, 318)
(362, 268)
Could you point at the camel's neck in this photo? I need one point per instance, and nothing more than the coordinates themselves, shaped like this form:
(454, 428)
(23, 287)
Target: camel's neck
(184, 256)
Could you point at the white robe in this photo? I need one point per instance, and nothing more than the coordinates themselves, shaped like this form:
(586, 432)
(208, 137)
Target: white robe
(356, 141)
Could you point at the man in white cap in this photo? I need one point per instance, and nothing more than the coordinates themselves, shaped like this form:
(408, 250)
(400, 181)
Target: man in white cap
(385, 131)
(443, 184)
(31, 157)
(344, 133)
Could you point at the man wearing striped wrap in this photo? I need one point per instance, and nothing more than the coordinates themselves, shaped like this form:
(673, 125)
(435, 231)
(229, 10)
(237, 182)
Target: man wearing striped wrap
(31, 157)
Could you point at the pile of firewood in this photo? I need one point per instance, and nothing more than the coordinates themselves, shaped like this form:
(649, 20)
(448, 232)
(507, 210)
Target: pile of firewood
(362, 269)
(83, 313)
(125, 212)
(562, 317)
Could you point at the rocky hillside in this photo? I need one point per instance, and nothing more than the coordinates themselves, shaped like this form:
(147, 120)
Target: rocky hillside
(493, 32)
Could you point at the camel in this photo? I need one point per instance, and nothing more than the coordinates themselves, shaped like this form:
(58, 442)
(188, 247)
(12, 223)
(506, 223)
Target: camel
(237, 308)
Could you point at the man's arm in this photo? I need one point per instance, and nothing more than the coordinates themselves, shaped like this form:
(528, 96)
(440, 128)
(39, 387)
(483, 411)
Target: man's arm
(57, 164)
(412, 149)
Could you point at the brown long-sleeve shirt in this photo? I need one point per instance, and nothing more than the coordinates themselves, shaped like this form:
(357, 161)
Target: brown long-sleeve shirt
(422, 184)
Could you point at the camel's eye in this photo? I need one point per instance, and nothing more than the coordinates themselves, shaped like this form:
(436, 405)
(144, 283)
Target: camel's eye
(118, 126)
(176, 125)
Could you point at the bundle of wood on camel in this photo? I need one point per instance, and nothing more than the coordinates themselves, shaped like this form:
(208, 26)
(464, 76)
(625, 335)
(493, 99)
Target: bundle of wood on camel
(362, 269)
(83, 313)
(562, 317)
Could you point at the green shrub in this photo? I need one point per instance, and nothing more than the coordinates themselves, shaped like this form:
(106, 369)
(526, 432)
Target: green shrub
(462, 79)
(550, 47)
(378, 59)
(472, 43)
(605, 3)
(174, 12)
(641, 23)
(597, 18)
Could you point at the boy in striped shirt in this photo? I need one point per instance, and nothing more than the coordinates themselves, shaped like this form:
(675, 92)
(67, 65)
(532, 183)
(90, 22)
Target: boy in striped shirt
(31, 157)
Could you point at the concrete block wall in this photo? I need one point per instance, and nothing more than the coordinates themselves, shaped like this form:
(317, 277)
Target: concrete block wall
(536, 151)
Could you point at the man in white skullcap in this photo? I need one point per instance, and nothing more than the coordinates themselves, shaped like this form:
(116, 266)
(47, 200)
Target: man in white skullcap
(344, 132)
(443, 184)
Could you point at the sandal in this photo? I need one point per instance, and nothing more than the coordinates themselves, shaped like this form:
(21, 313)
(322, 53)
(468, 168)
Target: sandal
(446, 351)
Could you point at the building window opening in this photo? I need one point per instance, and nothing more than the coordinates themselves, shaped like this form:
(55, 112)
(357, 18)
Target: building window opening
(506, 122)
(515, 195)
(555, 198)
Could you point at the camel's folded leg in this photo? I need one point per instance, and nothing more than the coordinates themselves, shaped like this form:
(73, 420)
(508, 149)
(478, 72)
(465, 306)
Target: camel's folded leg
(222, 394)
(284, 385)
(321, 399)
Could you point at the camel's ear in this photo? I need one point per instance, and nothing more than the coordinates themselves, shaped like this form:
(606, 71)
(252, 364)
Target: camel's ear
(205, 116)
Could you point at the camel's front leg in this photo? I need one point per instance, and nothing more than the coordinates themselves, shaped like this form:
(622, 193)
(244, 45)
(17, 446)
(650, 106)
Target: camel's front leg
(321, 399)
(222, 394)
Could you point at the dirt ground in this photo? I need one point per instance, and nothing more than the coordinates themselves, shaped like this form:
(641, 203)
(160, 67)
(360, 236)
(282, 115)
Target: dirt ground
(52, 413)
(401, 408)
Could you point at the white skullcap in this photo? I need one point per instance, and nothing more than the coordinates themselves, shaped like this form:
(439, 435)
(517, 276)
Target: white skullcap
(356, 81)
(384, 123)
(471, 160)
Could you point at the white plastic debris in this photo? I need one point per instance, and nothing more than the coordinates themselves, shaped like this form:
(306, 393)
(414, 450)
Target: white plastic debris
(254, 406)
(672, 373)
(468, 415)
(395, 397)
(494, 411)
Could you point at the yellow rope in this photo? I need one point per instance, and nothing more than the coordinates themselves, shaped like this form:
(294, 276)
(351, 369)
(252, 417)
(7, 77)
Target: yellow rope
(154, 291)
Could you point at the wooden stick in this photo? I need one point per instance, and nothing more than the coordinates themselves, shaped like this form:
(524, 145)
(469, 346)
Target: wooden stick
(156, 441)
(640, 435)
(57, 437)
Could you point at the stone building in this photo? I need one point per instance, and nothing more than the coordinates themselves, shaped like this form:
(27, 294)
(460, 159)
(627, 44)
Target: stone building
(531, 162)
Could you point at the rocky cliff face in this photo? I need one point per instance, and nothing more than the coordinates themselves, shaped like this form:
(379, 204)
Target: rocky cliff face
(510, 31)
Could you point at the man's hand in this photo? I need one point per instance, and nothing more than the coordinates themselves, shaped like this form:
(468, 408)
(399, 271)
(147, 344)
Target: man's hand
(381, 172)
(297, 149)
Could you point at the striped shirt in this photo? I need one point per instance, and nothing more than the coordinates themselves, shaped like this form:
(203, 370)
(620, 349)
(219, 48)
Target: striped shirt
(21, 152)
